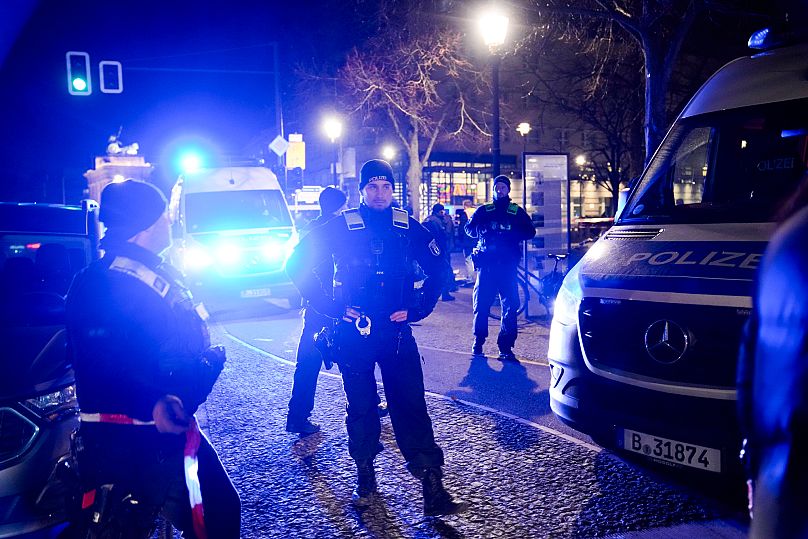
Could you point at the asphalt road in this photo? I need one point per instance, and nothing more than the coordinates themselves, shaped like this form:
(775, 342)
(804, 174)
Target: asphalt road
(523, 472)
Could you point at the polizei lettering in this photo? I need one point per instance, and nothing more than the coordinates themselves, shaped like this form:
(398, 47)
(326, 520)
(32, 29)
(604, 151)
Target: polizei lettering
(724, 259)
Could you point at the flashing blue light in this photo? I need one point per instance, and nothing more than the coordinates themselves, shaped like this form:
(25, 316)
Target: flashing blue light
(273, 251)
(759, 40)
(228, 254)
(191, 162)
(197, 258)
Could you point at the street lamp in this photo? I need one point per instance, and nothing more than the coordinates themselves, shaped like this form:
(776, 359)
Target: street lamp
(523, 129)
(333, 130)
(493, 25)
(388, 152)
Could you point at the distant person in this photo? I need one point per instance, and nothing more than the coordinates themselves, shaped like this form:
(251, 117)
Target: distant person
(773, 381)
(309, 358)
(467, 243)
(144, 364)
(436, 224)
(500, 229)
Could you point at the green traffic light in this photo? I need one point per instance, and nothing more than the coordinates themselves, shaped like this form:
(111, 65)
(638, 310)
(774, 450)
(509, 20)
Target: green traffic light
(79, 84)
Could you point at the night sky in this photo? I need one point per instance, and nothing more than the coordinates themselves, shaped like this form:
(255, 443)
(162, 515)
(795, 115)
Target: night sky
(194, 72)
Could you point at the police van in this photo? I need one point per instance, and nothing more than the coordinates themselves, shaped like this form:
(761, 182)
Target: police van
(232, 233)
(645, 335)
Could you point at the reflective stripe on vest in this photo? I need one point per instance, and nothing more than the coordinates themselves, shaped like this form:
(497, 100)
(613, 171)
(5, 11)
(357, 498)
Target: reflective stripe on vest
(142, 273)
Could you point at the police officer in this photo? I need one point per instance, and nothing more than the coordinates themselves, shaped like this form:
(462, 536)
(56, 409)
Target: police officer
(500, 228)
(143, 363)
(375, 249)
(309, 358)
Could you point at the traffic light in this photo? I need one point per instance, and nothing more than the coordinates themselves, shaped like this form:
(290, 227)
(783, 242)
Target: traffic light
(111, 77)
(79, 80)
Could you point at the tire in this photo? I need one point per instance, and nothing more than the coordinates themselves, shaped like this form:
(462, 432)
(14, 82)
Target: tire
(495, 311)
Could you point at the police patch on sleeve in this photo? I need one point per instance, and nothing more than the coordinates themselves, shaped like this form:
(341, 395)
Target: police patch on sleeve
(433, 247)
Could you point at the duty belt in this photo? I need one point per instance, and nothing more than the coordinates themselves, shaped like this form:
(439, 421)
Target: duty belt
(190, 463)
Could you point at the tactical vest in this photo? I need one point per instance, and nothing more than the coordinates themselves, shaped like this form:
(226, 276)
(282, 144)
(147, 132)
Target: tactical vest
(375, 270)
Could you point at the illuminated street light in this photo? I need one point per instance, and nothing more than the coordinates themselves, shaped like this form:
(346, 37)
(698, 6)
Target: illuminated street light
(523, 129)
(388, 152)
(332, 127)
(580, 160)
(493, 25)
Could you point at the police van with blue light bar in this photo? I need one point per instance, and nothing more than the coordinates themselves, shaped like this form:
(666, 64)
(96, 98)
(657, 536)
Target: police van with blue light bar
(232, 233)
(645, 335)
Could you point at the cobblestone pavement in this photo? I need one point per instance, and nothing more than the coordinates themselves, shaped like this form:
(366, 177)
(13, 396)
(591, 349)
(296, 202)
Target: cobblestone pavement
(520, 481)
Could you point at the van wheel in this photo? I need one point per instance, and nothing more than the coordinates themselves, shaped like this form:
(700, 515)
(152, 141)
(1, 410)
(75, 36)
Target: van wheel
(295, 301)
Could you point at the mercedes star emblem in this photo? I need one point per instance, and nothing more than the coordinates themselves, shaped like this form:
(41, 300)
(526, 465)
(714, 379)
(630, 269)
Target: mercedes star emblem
(666, 341)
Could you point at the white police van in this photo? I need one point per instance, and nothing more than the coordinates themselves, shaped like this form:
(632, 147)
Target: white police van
(645, 335)
(232, 233)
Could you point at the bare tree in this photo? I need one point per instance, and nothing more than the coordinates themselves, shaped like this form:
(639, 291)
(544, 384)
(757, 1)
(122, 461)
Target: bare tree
(420, 80)
(659, 29)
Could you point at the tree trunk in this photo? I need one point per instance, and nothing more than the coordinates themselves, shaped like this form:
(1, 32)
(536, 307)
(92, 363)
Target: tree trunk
(414, 174)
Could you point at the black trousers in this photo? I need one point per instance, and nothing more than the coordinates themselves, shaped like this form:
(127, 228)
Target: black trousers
(393, 348)
(138, 460)
(307, 368)
(493, 280)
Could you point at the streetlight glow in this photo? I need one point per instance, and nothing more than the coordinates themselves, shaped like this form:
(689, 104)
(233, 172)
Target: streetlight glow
(580, 160)
(523, 128)
(493, 24)
(388, 152)
(333, 128)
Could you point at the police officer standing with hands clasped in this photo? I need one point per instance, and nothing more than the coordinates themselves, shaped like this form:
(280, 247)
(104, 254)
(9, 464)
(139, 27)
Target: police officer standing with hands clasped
(500, 229)
(144, 364)
(375, 249)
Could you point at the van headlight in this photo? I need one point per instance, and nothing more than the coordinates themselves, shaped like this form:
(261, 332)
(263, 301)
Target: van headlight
(273, 251)
(56, 405)
(197, 257)
(565, 309)
(228, 254)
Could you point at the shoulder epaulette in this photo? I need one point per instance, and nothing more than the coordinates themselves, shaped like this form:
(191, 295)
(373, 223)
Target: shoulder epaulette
(401, 219)
(142, 273)
(353, 219)
(490, 207)
(513, 208)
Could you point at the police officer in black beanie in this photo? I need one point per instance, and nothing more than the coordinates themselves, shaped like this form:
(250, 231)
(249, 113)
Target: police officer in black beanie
(143, 362)
(309, 358)
(500, 229)
(374, 250)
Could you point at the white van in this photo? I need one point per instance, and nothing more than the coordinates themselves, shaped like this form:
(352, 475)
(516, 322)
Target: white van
(232, 233)
(644, 339)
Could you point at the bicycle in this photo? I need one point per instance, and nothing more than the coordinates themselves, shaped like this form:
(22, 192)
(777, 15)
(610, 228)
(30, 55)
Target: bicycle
(545, 288)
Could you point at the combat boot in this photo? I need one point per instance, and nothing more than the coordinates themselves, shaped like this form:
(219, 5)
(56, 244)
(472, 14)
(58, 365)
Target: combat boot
(437, 501)
(365, 483)
(477, 349)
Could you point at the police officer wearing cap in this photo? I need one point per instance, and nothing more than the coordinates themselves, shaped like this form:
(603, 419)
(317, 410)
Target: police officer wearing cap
(309, 358)
(143, 363)
(375, 250)
(500, 229)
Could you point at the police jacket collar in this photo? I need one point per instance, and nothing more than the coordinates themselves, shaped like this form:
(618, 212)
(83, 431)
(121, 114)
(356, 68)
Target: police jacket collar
(131, 250)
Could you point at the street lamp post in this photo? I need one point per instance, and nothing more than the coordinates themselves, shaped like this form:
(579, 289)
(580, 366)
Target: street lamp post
(333, 130)
(523, 129)
(494, 25)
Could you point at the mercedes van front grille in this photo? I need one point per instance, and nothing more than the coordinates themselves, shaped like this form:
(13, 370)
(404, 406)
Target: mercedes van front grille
(675, 343)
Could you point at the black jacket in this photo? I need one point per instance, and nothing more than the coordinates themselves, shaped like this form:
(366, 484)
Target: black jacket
(134, 334)
(500, 228)
(773, 391)
(375, 265)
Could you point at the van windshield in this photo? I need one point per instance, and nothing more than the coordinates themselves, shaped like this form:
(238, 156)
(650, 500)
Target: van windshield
(730, 166)
(234, 210)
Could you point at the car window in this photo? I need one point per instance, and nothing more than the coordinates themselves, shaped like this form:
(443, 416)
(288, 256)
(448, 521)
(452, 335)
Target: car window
(731, 166)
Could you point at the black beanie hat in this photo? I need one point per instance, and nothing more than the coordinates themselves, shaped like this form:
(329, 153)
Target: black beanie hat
(437, 208)
(130, 207)
(375, 169)
(504, 179)
(331, 199)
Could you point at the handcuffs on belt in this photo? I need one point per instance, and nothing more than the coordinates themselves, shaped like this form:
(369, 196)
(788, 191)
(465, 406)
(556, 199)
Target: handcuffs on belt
(363, 325)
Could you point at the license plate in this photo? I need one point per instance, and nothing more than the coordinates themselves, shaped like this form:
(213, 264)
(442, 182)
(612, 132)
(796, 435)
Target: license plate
(256, 293)
(669, 451)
